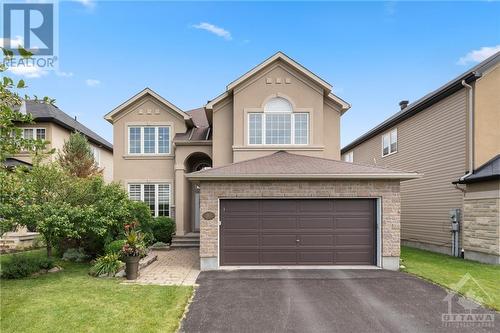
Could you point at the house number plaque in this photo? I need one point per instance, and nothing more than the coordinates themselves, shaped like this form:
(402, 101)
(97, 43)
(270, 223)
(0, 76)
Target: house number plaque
(208, 216)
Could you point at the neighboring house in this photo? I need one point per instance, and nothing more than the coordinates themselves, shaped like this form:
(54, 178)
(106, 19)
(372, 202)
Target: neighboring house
(257, 173)
(444, 135)
(55, 126)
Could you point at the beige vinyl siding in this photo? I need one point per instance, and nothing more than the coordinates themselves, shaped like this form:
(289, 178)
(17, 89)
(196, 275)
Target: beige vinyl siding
(432, 142)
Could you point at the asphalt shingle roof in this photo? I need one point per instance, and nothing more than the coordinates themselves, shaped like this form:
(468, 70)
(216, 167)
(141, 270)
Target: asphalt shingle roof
(283, 164)
(42, 111)
(488, 171)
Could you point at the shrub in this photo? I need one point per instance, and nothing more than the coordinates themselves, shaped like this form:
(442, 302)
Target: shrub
(22, 266)
(115, 247)
(75, 254)
(106, 265)
(159, 244)
(163, 229)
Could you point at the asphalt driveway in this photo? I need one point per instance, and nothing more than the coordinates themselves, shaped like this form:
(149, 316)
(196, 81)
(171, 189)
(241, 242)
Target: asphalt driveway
(323, 301)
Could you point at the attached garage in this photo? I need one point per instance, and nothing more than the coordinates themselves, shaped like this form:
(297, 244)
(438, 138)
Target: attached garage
(297, 232)
(292, 210)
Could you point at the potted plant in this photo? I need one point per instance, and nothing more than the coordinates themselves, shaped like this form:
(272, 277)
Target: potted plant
(133, 249)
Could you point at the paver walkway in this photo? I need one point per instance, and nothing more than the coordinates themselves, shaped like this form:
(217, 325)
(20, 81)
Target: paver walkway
(174, 267)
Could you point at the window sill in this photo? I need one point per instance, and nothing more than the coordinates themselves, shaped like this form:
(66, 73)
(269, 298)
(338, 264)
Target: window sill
(395, 152)
(149, 157)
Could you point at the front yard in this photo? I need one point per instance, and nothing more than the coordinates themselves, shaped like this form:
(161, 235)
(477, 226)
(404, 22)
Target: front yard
(73, 301)
(483, 284)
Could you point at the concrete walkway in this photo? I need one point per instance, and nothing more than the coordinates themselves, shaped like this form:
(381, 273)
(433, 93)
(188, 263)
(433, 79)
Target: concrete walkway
(174, 267)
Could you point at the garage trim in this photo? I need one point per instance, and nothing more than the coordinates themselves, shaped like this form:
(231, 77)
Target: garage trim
(378, 234)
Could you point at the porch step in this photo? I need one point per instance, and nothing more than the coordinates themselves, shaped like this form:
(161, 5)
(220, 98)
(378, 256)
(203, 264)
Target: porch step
(187, 240)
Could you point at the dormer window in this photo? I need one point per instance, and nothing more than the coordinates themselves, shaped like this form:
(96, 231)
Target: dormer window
(278, 125)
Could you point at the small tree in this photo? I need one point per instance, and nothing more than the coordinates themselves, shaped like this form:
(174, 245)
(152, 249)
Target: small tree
(77, 158)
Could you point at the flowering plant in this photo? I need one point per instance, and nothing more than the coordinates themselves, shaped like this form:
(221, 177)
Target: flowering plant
(134, 244)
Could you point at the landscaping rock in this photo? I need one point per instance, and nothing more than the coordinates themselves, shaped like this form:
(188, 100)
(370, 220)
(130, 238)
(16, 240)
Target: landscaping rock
(55, 269)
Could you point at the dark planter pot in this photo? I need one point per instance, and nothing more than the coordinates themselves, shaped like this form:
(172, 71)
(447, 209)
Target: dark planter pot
(132, 267)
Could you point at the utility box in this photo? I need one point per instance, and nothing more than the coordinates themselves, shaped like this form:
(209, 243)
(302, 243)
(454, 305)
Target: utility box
(455, 215)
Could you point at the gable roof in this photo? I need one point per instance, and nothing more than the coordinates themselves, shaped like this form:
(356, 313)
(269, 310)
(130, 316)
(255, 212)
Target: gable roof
(284, 165)
(42, 111)
(428, 100)
(488, 171)
(147, 91)
(294, 64)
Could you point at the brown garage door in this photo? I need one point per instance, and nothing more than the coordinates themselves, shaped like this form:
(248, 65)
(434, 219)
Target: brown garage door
(298, 232)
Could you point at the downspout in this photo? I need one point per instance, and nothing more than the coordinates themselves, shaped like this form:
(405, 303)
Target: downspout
(471, 130)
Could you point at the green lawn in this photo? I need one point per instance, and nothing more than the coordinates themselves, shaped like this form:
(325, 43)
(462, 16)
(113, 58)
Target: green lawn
(447, 271)
(73, 301)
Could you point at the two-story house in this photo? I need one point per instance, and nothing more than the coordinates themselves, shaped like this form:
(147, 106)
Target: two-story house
(452, 137)
(55, 126)
(256, 173)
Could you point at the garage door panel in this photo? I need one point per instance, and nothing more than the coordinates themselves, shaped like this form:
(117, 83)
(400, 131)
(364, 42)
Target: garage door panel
(240, 240)
(329, 232)
(351, 257)
(353, 205)
(357, 240)
(250, 257)
(355, 222)
(279, 222)
(277, 257)
(279, 240)
(315, 257)
(315, 206)
(316, 240)
(278, 206)
(315, 222)
(240, 222)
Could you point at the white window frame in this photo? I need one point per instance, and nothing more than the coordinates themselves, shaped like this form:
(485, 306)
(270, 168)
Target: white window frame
(156, 209)
(263, 129)
(35, 129)
(157, 131)
(389, 136)
(97, 155)
(349, 157)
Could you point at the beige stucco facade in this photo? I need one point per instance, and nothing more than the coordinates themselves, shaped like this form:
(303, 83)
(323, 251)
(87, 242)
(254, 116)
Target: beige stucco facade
(58, 135)
(487, 117)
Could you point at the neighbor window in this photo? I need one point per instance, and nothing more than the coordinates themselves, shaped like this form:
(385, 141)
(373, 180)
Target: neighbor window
(278, 125)
(34, 133)
(156, 196)
(390, 142)
(149, 140)
(349, 157)
(97, 155)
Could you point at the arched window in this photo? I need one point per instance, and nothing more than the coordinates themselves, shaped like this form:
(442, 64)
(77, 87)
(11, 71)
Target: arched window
(278, 104)
(278, 125)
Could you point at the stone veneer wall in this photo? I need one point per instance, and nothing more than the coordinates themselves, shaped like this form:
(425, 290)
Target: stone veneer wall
(481, 229)
(388, 190)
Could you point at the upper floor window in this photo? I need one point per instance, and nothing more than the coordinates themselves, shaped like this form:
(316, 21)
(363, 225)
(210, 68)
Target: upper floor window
(34, 133)
(149, 140)
(278, 125)
(390, 142)
(349, 157)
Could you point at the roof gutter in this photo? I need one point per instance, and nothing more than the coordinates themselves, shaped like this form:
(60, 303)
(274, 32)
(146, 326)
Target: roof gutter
(470, 108)
(400, 176)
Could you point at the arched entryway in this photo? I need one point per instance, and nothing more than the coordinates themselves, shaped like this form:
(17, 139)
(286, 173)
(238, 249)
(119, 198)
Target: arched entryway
(196, 162)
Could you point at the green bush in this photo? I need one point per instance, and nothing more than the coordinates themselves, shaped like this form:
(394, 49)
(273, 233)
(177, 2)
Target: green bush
(163, 229)
(115, 247)
(106, 265)
(22, 266)
(159, 245)
(75, 255)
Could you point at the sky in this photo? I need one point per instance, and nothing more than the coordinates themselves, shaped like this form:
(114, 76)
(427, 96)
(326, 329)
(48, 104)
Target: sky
(373, 53)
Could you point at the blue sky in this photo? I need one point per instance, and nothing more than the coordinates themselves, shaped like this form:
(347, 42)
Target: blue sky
(373, 53)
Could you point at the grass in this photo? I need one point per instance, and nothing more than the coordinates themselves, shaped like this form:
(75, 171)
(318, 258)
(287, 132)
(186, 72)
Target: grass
(447, 271)
(73, 301)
